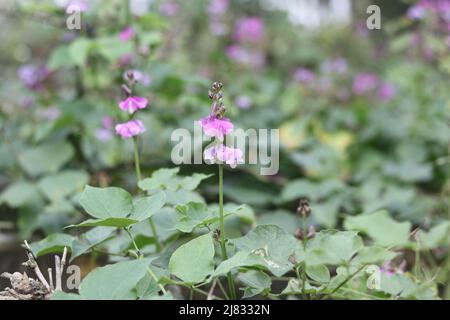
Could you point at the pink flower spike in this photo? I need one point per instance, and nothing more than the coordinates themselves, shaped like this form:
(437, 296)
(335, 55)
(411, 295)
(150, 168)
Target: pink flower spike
(131, 104)
(126, 34)
(223, 154)
(130, 129)
(215, 127)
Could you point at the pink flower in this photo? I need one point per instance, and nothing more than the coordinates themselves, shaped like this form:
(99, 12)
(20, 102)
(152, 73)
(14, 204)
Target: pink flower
(242, 55)
(250, 29)
(170, 8)
(33, 76)
(304, 75)
(81, 5)
(336, 66)
(243, 102)
(215, 127)
(416, 12)
(104, 133)
(126, 34)
(131, 104)
(364, 83)
(222, 153)
(218, 7)
(125, 59)
(139, 76)
(386, 92)
(130, 129)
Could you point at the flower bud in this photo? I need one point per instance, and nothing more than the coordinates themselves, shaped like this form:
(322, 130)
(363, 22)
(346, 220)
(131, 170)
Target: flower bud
(303, 209)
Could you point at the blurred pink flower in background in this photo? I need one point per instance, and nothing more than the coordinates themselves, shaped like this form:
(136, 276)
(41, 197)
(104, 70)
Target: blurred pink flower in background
(81, 5)
(126, 34)
(416, 12)
(107, 122)
(130, 129)
(169, 8)
(222, 153)
(215, 127)
(386, 92)
(336, 66)
(364, 83)
(218, 7)
(125, 59)
(33, 76)
(132, 104)
(304, 75)
(139, 76)
(249, 29)
(243, 102)
(240, 54)
(216, 12)
(104, 133)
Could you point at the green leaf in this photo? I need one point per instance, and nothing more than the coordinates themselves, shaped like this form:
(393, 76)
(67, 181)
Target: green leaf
(192, 182)
(108, 222)
(106, 203)
(373, 254)
(437, 236)
(192, 215)
(181, 197)
(331, 247)
(305, 188)
(160, 179)
(20, 193)
(384, 230)
(272, 244)
(60, 185)
(60, 57)
(193, 261)
(240, 259)
(319, 273)
(144, 208)
(256, 282)
(89, 239)
(112, 48)
(53, 243)
(115, 281)
(79, 50)
(281, 218)
(167, 179)
(46, 158)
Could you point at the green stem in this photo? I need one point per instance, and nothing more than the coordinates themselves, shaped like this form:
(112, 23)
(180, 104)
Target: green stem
(224, 292)
(149, 270)
(222, 233)
(344, 282)
(305, 242)
(417, 260)
(137, 165)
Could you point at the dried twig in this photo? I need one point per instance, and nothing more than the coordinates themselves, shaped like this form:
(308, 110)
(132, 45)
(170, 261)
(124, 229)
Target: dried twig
(33, 265)
(25, 288)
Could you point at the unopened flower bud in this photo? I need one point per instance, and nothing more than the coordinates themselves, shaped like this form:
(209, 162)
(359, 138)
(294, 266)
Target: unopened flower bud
(216, 234)
(303, 209)
(299, 234)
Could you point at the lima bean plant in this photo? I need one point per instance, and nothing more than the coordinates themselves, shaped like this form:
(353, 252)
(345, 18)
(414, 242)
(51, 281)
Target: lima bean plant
(359, 209)
(193, 250)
